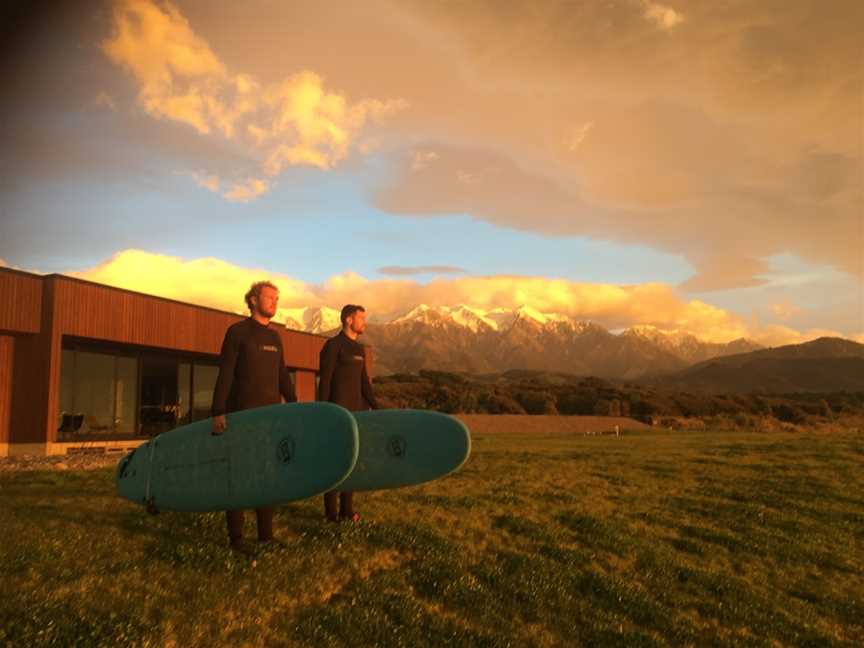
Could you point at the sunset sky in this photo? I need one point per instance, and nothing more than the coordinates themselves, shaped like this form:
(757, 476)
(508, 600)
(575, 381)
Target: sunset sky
(691, 164)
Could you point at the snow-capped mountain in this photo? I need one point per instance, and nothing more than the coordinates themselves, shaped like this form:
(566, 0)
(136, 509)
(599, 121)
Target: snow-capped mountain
(686, 345)
(477, 319)
(472, 318)
(468, 338)
(311, 319)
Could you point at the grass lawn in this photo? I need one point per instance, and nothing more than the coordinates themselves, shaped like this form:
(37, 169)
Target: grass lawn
(652, 538)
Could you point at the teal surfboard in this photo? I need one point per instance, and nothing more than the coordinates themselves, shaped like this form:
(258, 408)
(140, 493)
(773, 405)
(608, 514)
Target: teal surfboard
(406, 447)
(267, 456)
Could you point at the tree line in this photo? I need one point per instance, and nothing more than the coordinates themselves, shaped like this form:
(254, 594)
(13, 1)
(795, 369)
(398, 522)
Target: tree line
(528, 392)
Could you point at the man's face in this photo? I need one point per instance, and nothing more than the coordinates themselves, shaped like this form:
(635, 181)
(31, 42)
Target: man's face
(267, 302)
(357, 322)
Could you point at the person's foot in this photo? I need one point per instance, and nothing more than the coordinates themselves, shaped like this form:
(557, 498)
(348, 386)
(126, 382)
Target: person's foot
(331, 518)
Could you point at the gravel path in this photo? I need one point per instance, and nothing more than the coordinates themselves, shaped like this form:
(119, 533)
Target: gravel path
(79, 461)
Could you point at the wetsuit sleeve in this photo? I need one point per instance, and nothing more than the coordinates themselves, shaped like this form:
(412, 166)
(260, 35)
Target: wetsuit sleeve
(366, 387)
(286, 386)
(227, 364)
(326, 368)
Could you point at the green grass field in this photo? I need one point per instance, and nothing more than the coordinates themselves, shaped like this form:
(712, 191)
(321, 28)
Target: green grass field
(653, 538)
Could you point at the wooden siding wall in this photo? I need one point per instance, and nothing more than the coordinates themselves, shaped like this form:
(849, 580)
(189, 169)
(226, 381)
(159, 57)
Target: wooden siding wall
(40, 310)
(301, 350)
(7, 350)
(20, 301)
(305, 386)
(36, 379)
(104, 313)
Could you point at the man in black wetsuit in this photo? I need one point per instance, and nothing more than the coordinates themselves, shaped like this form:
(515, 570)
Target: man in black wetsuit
(343, 380)
(252, 373)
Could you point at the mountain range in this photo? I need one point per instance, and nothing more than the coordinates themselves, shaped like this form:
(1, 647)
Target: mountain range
(467, 339)
(824, 365)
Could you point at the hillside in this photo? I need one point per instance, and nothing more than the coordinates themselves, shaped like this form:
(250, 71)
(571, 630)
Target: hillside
(823, 365)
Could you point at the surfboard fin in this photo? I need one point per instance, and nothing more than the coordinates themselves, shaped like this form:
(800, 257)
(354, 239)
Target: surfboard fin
(150, 505)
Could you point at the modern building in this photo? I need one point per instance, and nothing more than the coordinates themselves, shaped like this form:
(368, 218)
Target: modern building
(88, 366)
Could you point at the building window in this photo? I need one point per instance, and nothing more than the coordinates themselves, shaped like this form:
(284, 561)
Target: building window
(184, 392)
(160, 404)
(125, 395)
(98, 392)
(203, 382)
(113, 391)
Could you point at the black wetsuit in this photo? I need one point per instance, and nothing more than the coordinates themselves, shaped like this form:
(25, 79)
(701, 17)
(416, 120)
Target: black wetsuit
(251, 370)
(343, 380)
(252, 373)
(342, 374)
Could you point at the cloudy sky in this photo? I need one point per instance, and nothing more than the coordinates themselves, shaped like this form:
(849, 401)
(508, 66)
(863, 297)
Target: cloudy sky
(692, 164)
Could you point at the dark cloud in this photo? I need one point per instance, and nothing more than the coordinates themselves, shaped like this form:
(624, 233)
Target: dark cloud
(725, 230)
(730, 137)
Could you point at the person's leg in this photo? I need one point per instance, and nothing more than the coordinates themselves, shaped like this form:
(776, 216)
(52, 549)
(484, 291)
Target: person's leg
(235, 527)
(346, 506)
(331, 506)
(265, 523)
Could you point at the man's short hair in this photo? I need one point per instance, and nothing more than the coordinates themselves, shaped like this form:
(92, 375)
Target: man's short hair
(348, 310)
(255, 291)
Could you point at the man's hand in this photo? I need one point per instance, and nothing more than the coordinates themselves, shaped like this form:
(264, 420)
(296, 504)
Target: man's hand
(219, 424)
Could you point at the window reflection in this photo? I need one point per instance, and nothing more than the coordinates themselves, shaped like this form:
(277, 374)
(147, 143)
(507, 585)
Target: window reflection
(160, 408)
(204, 382)
(129, 394)
(97, 395)
(184, 392)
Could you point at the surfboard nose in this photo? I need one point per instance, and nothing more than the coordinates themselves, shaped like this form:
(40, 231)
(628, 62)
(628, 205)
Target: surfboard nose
(130, 475)
(124, 466)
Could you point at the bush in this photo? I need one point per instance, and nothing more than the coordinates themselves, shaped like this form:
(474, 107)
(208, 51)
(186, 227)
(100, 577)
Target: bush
(576, 400)
(501, 404)
(788, 413)
(536, 402)
(607, 408)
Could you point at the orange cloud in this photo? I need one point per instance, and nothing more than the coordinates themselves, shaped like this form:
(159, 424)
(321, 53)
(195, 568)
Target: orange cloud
(244, 192)
(661, 15)
(776, 335)
(208, 181)
(206, 282)
(219, 284)
(293, 122)
(315, 127)
(784, 310)
(176, 71)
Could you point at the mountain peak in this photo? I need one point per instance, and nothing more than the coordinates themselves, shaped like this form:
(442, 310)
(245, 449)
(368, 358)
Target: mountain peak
(527, 312)
(420, 313)
(471, 318)
(313, 319)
